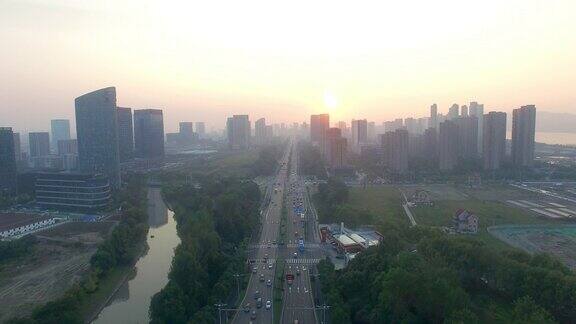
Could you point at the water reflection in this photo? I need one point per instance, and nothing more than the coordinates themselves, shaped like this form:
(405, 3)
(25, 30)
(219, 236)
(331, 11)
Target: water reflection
(132, 300)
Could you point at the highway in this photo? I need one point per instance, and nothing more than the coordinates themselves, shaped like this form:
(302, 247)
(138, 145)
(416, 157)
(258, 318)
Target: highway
(263, 257)
(298, 300)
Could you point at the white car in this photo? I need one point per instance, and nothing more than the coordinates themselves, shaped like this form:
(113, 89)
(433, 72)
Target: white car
(268, 304)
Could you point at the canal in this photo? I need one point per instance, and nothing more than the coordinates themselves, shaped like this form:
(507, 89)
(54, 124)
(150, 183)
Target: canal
(150, 274)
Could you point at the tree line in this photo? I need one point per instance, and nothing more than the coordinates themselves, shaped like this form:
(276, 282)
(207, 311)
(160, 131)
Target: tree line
(121, 248)
(310, 160)
(268, 158)
(331, 203)
(420, 275)
(215, 219)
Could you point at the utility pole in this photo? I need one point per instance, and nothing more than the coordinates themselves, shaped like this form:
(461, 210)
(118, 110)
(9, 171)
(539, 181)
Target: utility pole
(237, 276)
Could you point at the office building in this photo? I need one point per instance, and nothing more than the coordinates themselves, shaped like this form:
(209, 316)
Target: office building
(359, 133)
(60, 131)
(125, 134)
(318, 126)
(149, 133)
(186, 131)
(39, 143)
(200, 129)
(238, 131)
(448, 145)
(477, 110)
(494, 141)
(97, 133)
(260, 132)
(66, 147)
(70, 191)
(433, 116)
(371, 132)
(8, 168)
(395, 149)
(336, 148)
(523, 132)
(411, 125)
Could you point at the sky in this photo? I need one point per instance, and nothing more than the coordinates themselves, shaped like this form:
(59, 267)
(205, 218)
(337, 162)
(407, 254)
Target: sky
(284, 60)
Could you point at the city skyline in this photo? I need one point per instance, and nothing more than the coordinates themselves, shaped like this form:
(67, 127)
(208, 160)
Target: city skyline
(503, 59)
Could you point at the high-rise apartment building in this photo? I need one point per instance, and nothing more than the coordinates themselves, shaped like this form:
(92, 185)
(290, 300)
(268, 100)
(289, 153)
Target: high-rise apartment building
(359, 133)
(318, 126)
(371, 132)
(336, 148)
(464, 111)
(260, 131)
(125, 134)
(60, 131)
(149, 133)
(39, 143)
(17, 147)
(494, 141)
(97, 132)
(453, 112)
(523, 133)
(395, 148)
(238, 131)
(433, 116)
(200, 129)
(8, 168)
(468, 137)
(448, 145)
(477, 110)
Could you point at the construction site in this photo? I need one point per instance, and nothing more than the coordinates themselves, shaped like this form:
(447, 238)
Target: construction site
(60, 256)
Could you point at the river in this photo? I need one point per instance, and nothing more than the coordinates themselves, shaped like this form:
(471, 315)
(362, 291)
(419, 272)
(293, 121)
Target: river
(131, 302)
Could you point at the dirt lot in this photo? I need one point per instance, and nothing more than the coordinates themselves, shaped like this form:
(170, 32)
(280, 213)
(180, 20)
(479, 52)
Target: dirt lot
(60, 258)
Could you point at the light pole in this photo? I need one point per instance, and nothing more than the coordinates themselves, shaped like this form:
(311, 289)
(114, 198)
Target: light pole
(220, 305)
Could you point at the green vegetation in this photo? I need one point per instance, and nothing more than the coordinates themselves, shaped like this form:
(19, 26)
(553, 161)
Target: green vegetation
(268, 158)
(420, 275)
(311, 162)
(10, 250)
(8, 200)
(118, 251)
(336, 203)
(214, 222)
(490, 213)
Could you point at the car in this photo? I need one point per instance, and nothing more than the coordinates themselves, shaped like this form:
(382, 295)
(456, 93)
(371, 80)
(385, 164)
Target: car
(246, 307)
(261, 277)
(254, 270)
(257, 294)
(268, 304)
(269, 265)
(269, 283)
(303, 268)
(253, 315)
(259, 303)
(295, 255)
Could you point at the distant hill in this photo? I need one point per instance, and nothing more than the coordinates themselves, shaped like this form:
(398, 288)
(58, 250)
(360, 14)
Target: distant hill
(555, 122)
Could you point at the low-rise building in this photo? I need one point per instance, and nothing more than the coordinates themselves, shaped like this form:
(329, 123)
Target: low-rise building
(465, 222)
(72, 191)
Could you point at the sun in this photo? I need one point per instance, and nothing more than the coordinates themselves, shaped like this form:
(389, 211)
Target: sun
(330, 101)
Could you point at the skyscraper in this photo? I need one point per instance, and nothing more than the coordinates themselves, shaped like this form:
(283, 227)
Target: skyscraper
(186, 132)
(125, 134)
(467, 137)
(433, 116)
(494, 140)
(464, 111)
(260, 131)
(97, 132)
(238, 131)
(318, 126)
(478, 111)
(523, 132)
(8, 169)
(60, 131)
(39, 143)
(149, 133)
(359, 133)
(395, 147)
(371, 132)
(200, 129)
(448, 145)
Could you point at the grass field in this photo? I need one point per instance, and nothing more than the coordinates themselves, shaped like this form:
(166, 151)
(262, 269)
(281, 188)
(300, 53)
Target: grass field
(384, 202)
(490, 213)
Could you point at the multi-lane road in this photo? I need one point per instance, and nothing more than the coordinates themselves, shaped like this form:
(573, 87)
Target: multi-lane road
(297, 299)
(257, 305)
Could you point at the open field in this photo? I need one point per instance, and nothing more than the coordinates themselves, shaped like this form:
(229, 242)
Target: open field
(559, 241)
(383, 201)
(59, 259)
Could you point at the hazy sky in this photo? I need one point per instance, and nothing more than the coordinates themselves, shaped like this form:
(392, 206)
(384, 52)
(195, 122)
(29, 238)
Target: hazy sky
(204, 60)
